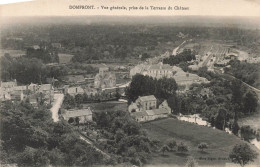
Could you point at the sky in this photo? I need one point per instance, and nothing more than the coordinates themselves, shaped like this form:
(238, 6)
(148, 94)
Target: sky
(196, 7)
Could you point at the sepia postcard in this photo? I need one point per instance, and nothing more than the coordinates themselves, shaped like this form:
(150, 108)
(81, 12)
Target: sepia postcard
(127, 83)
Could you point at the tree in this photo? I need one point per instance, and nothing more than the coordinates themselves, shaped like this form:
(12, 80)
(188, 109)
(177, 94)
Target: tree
(172, 144)
(173, 103)
(79, 98)
(182, 148)
(235, 128)
(165, 87)
(250, 102)
(165, 148)
(220, 122)
(236, 92)
(242, 154)
(202, 146)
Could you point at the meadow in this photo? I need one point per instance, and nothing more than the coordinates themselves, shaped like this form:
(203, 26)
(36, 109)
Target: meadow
(219, 142)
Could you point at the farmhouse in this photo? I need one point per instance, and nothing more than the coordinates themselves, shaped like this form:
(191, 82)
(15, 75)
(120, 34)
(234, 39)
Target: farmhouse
(150, 115)
(145, 109)
(146, 102)
(83, 115)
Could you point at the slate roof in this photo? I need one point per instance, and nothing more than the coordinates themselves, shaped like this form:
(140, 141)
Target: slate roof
(158, 111)
(160, 67)
(139, 114)
(45, 87)
(147, 98)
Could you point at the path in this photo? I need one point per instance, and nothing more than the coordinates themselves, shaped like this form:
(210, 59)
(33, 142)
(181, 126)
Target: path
(91, 143)
(58, 99)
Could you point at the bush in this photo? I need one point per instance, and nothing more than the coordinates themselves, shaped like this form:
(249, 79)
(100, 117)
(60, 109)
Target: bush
(172, 144)
(203, 146)
(182, 147)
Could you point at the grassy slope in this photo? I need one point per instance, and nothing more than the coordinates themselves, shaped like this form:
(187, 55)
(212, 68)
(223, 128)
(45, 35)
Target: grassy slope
(220, 143)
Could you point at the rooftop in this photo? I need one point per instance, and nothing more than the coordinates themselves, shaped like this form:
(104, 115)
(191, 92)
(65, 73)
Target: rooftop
(147, 98)
(158, 111)
(139, 114)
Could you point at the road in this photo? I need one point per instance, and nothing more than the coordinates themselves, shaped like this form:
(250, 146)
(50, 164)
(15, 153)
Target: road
(174, 52)
(58, 99)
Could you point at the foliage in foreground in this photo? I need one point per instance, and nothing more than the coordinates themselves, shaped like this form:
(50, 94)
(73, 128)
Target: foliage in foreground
(242, 154)
(29, 137)
(124, 137)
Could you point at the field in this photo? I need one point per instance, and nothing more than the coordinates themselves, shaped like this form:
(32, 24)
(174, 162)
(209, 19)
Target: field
(220, 143)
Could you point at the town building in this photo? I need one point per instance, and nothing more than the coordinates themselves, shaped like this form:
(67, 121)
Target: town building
(8, 85)
(160, 70)
(73, 91)
(83, 115)
(10, 91)
(105, 78)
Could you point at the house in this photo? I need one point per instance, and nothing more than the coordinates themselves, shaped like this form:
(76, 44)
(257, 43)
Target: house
(143, 103)
(145, 109)
(146, 102)
(33, 87)
(73, 91)
(157, 113)
(83, 115)
(133, 108)
(47, 90)
(141, 116)
(165, 105)
(8, 85)
(150, 115)
(105, 79)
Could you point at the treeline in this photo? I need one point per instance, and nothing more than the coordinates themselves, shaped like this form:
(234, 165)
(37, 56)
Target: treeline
(46, 55)
(29, 137)
(70, 102)
(186, 55)
(223, 103)
(144, 85)
(247, 72)
(29, 70)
